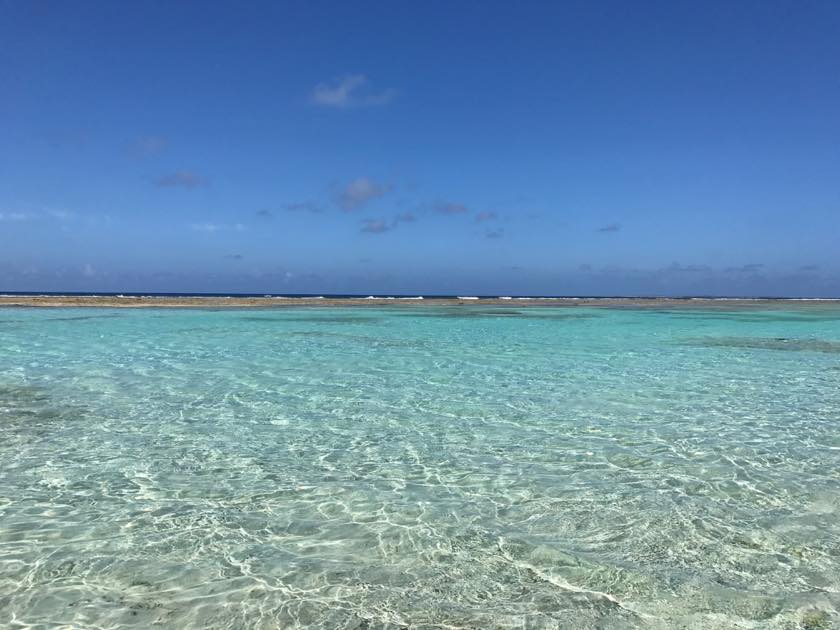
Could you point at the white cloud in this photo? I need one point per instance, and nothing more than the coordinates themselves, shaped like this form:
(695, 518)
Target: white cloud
(42, 213)
(206, 227)
(360, 191)
(17, 216)
(349, 91)
(217, 227)
(62, 215)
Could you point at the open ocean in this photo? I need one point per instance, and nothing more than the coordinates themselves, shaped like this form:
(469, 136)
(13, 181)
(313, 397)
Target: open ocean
(420, 467)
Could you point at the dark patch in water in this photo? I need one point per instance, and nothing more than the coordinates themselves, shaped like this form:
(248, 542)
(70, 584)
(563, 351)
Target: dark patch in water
(81, 317)
(768, 343)
(13, 395)
(561, 316)
(30, 410)
(318, 319)
(477, 313)
(755, 318)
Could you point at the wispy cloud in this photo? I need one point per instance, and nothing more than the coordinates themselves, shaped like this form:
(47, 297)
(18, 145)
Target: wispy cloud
(448, 207)
(182, 179)
(146, 146)
(749, 268)
(486, 216)
(206, 227)
(376, 226)
(303, 206)
(352, 90)
(88, 271)
(611, 227)
(676, 267)
(17, 216)
(498, 233)
(359, 192)
(61, 215)
(210, 228)
(380, 226)
(265, 213)
(42, 214)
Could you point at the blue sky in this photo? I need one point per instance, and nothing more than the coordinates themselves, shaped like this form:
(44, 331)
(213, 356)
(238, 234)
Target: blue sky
(436, 147)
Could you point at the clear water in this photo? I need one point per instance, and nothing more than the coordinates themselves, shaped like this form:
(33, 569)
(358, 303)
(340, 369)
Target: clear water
(420, 467)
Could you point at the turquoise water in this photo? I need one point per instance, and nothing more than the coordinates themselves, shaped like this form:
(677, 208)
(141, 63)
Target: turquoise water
(420, 467)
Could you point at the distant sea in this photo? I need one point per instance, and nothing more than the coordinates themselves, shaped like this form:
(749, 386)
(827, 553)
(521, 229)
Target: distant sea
(435, 467)
(428, 296)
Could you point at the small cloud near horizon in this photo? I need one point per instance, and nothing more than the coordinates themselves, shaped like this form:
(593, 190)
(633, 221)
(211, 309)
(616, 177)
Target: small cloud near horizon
(359, 192)
(678, 268)
(451, 208)
(499, 233)
(380, 226)
(303, 206)
(216, 227)
(146, 146)
(17, 216)
(206, 227)
(182, 179)
(43, 214)
(351, 90)
(375, 226)
(611, 227)
(749, 268)
(486, 216)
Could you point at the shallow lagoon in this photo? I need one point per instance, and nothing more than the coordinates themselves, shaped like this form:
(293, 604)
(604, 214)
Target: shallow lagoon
(471, 467)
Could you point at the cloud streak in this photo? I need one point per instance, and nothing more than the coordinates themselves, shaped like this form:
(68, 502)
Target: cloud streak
(352, 90)
(146, 146)
(17, 216)
(210, 228)
(749, 268)
(376, 226)
(303, 206)
(181, 179)
(610, 228)
(359, 192)
(451, 208)
(62, 216)
(380, 226)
